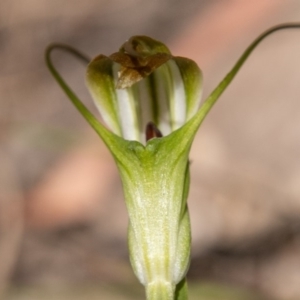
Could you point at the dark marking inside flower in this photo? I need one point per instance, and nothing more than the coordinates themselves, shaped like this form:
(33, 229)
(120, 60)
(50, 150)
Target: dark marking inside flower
(152, 131)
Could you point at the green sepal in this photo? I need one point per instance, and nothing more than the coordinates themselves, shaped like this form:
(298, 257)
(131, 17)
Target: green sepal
(156, 184)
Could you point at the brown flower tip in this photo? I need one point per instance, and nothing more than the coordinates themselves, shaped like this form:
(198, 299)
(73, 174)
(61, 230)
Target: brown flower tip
(139, 57)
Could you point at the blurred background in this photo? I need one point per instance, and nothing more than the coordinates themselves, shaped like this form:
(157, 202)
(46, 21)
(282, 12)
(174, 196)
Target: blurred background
(62, 215)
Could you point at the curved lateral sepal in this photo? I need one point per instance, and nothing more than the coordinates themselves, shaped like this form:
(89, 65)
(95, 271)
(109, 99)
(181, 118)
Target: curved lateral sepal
(114, 143)
(193, 125)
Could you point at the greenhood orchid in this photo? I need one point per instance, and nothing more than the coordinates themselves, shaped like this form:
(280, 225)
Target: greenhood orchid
(144, 83)
(149, 100)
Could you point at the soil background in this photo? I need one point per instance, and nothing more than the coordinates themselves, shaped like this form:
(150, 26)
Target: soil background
(62, 216)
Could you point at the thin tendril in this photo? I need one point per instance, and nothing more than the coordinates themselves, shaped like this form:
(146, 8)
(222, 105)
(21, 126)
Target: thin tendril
(69, 49)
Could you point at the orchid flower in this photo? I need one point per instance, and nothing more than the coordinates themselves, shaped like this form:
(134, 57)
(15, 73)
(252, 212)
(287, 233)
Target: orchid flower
(149, 101)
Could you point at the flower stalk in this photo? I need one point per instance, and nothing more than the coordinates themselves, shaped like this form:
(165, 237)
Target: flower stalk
(149, 100)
